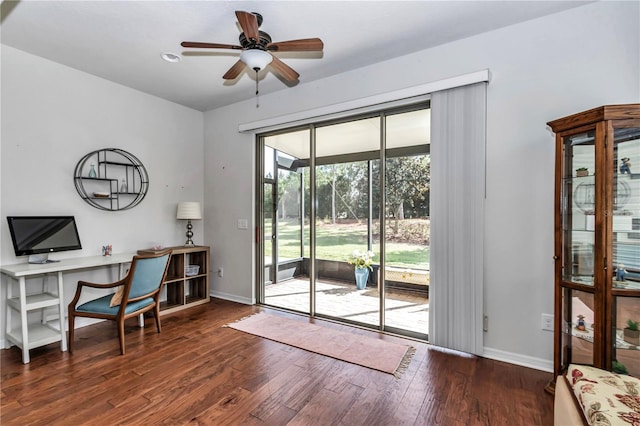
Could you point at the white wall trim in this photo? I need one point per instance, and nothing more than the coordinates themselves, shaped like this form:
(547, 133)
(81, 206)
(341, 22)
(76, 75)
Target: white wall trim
(409, 94)
(233, 298)
(518, 359)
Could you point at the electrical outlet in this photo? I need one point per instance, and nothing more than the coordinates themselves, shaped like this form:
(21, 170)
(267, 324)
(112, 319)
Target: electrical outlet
(220, 272)
(547, 322)
(485, 322)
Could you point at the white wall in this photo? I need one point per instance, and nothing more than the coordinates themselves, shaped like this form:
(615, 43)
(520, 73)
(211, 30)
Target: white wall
(541, 70)
(52, 116)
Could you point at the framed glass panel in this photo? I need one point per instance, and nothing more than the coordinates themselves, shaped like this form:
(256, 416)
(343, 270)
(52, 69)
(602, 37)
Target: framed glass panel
(626, 345)
(408, 225)
(269, 164)
(289, 284)
(578, 208)
(626, 209)
(289, 212)
(268, 232)
(577, 327)
(625, 240)
(345, 152)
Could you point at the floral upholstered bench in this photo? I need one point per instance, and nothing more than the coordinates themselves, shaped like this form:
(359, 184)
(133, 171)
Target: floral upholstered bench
(599, 397)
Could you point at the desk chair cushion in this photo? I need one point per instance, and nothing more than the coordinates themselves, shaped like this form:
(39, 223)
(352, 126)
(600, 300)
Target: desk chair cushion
(146, 276)
(102, 306)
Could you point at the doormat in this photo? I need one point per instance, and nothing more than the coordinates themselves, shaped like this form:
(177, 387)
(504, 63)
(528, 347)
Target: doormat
(370, 352)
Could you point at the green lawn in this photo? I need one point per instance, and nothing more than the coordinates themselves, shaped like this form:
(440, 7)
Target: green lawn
(337, 242)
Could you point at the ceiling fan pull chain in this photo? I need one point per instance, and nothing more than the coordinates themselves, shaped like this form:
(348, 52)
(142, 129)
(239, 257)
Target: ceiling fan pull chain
(257, 92)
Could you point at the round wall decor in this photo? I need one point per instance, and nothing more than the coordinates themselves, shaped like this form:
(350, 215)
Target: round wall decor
(111, 179)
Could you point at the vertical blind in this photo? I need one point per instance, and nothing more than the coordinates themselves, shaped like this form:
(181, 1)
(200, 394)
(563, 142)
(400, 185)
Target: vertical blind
(458, 137)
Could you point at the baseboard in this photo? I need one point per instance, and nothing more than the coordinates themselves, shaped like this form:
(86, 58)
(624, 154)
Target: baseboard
(519, 359)
(233, 298)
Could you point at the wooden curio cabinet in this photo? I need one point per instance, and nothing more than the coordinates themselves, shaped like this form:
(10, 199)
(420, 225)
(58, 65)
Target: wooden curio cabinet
(597, 239)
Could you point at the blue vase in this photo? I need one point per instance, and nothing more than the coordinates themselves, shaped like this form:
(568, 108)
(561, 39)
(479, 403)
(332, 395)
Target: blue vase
(362, 275)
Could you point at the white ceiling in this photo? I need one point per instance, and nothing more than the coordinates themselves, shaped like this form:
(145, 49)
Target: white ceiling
(122, 41)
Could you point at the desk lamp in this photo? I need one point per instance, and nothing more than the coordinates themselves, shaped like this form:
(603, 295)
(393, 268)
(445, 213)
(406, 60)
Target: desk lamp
(189, 210)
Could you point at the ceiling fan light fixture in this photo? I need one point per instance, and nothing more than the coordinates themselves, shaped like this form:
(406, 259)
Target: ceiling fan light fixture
(256, 58)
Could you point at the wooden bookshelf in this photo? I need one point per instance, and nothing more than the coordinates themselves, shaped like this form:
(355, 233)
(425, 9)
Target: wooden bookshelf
(184, 288)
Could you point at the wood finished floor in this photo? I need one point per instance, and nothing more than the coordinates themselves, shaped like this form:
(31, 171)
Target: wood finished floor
(198, 372)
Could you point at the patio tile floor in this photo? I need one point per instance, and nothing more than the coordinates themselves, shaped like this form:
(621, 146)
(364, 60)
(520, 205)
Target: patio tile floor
(342, 300)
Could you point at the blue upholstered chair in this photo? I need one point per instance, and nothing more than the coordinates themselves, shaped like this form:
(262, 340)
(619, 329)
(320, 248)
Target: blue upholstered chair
(138, 292)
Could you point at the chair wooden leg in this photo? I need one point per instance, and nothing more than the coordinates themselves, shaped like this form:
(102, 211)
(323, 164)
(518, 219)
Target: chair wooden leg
(156, 314)
(121, 334)
(71, 331)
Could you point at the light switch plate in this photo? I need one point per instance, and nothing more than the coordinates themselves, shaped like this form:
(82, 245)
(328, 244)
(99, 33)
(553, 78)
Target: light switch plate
(547, 322)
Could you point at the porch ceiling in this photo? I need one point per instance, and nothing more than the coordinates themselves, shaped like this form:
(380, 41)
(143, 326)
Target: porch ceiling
(403, 130)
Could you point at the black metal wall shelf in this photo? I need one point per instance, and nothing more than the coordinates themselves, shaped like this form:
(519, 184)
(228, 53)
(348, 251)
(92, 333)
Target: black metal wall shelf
(120, 181)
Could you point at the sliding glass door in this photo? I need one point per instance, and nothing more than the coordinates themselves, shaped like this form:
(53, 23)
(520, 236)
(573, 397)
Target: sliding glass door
(407, 230)
(345, 208)
(346, 153)
(285, 215)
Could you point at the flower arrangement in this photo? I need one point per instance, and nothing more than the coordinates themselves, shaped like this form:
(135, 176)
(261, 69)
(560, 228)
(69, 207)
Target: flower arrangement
(361, 260)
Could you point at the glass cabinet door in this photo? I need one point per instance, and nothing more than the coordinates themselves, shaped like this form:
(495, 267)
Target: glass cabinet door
(625, 243)
(625, 189)
(578, 208)
(578, 219)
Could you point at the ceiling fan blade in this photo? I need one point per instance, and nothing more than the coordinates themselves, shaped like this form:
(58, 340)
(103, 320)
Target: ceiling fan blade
(209, 45)
(249, 24)
(234, 71)
(302, 45)
(284, 70)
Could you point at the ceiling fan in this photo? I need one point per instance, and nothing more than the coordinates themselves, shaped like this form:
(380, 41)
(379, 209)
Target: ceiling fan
(256, 46)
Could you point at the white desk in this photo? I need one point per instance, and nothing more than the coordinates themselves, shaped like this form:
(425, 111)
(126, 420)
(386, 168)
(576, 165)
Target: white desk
(32, 336)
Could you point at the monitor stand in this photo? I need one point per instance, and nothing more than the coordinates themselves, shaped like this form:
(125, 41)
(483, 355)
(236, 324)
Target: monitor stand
(40, 259)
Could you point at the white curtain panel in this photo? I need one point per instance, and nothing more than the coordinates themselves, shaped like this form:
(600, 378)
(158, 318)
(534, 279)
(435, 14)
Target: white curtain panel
(458, 137)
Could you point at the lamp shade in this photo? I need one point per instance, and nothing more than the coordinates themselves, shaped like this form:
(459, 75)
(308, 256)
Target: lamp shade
(189, 210)
(256, 58)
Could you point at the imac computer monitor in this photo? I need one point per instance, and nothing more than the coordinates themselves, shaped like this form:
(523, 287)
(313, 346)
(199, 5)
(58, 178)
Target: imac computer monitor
(37, 236)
